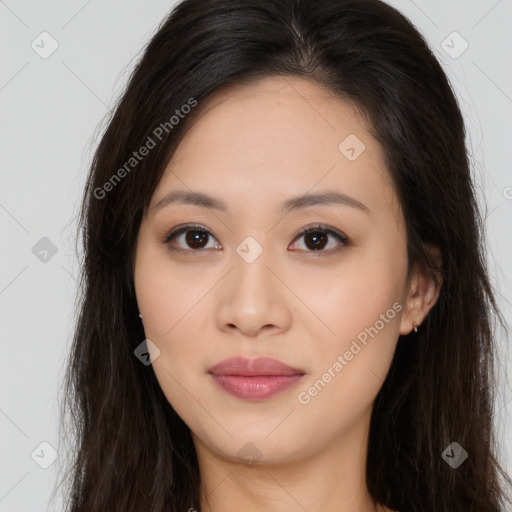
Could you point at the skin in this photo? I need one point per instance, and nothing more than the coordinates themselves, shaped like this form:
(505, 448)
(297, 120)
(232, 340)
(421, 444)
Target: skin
(254, 146)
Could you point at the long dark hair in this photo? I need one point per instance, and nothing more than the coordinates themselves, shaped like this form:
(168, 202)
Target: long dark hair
(132, 452)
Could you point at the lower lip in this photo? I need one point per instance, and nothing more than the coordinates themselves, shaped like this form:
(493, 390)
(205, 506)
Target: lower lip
(258, 387)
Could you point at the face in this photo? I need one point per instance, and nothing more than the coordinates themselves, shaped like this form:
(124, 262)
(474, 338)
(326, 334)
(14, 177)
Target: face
(244, 280)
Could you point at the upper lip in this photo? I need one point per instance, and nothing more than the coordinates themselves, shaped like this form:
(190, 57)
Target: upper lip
(244, 366)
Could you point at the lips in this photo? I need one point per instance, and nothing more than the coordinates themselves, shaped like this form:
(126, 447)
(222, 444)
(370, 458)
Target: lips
(249, 367)
(254, 379)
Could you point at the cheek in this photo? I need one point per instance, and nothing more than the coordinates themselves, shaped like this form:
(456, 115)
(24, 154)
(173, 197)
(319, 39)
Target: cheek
(362, 310)
(168, 293)
(170, 302)
(173, 299)
(173, 309)
(354, 296)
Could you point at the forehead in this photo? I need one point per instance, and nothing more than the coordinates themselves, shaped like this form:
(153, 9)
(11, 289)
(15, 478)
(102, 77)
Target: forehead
(278, 137)
(272, 115)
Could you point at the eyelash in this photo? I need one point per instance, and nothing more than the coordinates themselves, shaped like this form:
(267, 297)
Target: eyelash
(318, 228)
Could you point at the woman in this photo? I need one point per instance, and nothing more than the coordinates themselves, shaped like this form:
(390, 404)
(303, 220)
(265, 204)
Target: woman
(285, 299)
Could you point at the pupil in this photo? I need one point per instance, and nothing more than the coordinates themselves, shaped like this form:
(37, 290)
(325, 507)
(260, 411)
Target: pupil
(195, 237)
(316, 243)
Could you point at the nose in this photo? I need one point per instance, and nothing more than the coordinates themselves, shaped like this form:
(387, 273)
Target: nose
(254, 298)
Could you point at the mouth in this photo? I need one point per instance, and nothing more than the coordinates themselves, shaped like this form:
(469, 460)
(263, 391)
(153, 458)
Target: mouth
(254, 379)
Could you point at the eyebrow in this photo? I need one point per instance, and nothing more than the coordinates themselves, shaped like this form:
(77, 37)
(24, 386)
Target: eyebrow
(328, 198)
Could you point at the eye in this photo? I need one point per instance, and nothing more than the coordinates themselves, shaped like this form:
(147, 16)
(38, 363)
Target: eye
(316, 238)
(195, 236)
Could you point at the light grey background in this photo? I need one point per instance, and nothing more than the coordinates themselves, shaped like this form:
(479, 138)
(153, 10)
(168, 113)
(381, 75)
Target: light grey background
(51, 108)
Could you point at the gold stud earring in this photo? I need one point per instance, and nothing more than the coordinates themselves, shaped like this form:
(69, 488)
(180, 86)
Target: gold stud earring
(415, 326)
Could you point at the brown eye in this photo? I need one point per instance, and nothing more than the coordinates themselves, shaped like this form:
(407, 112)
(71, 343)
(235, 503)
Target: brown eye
(318, 237)
(189, 238)
(316, 240)
(196, 239)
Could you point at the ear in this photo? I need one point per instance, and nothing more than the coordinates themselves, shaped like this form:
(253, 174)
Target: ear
(421, 294)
